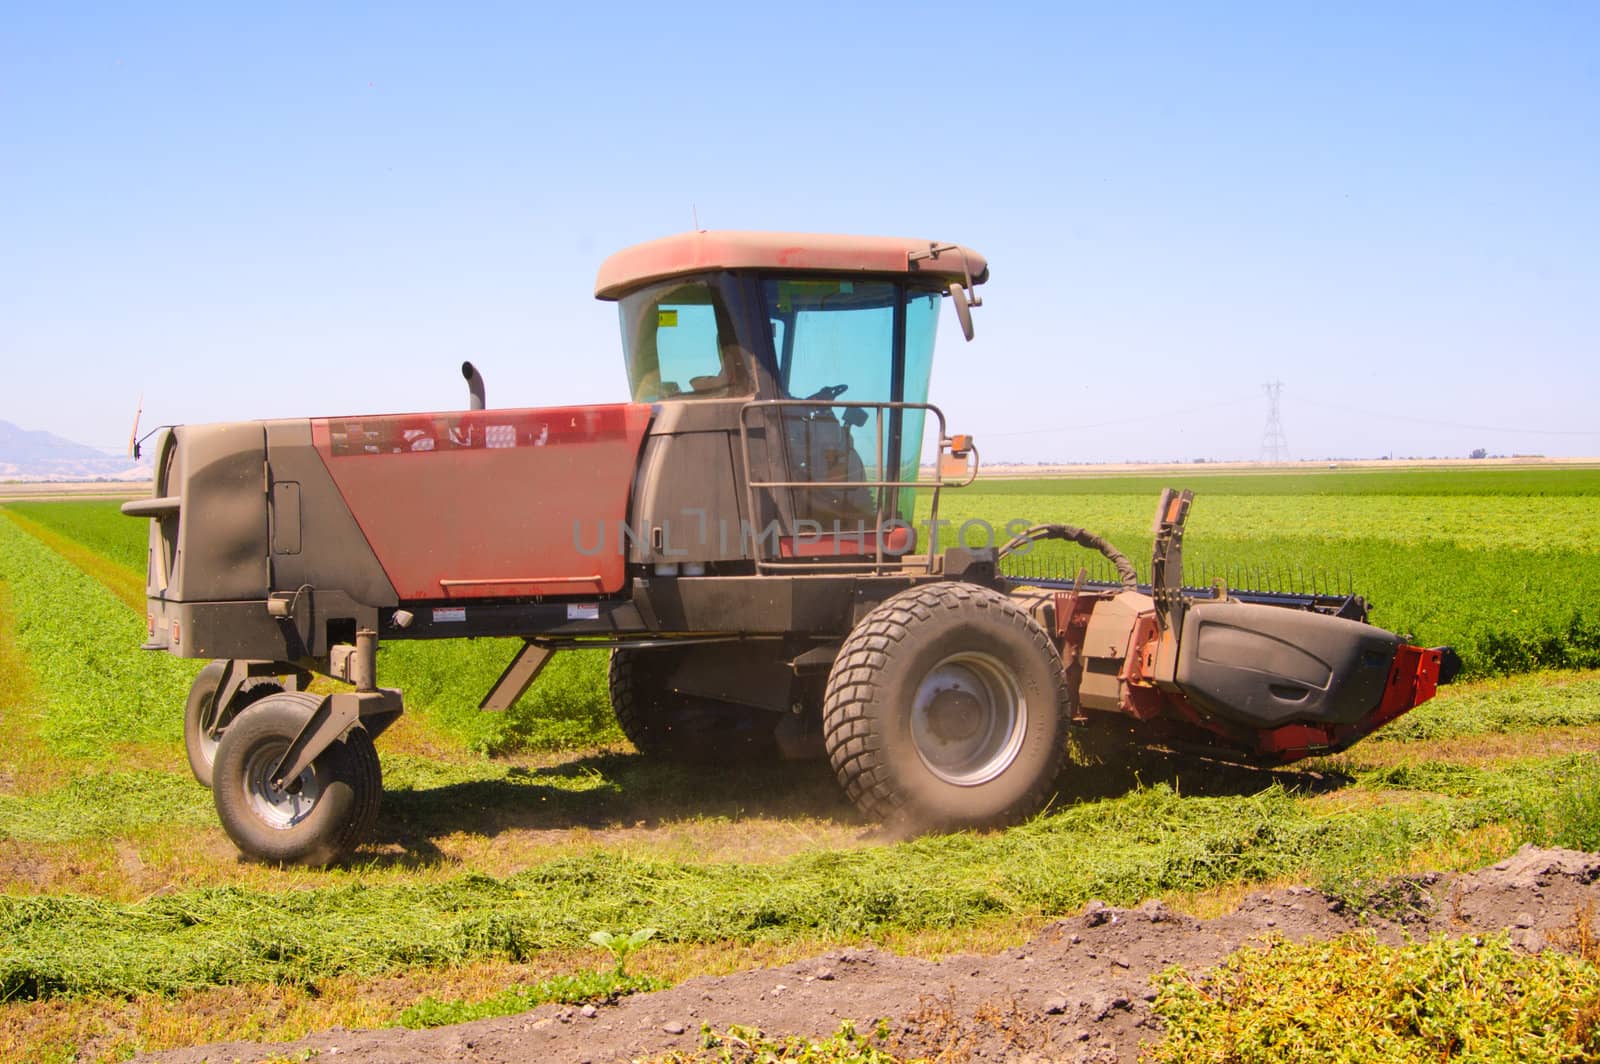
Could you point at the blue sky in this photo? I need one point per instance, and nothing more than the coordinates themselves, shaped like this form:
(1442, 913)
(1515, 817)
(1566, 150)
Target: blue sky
(280, 210)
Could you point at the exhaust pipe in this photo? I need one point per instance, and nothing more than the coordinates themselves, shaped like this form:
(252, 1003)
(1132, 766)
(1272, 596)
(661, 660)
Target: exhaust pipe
(474, 385)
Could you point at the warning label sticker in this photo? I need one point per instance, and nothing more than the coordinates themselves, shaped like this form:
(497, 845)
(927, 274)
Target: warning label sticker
(449, 614)
(666, 319)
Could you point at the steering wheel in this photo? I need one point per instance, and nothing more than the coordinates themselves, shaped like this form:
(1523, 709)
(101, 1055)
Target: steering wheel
(829, 393)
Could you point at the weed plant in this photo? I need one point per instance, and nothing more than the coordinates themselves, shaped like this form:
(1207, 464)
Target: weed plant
(1356, 1000)
(579, 989)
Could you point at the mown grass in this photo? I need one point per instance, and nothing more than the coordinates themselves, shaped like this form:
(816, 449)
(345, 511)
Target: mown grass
(105, 805)
(1552, 700)
(25, 764)
(126, 584)
(1121, 849)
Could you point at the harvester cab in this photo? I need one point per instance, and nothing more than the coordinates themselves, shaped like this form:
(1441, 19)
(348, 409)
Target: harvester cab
(739, 535)
(812, 356)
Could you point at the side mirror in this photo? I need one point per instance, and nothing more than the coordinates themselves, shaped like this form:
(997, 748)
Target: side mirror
(958, 296)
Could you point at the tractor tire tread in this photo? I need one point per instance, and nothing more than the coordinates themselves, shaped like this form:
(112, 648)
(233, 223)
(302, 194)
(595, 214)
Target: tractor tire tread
(851, 729)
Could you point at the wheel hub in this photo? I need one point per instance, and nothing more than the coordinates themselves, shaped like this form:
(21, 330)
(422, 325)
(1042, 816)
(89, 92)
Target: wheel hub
(955, 715)
(279, 807)
(968, 719)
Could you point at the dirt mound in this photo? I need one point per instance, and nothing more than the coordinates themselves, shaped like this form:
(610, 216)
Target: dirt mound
(1079, 991)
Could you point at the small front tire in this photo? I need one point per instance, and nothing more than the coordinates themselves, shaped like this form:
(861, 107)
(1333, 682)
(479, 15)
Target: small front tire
(319, 817)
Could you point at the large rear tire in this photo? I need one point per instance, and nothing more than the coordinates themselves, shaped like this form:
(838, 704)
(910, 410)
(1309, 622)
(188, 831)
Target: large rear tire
(319, 817)
(204, 721)
(665, 724)
(943, 710)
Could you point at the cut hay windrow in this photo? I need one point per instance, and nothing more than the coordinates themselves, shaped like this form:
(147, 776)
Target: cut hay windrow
(1120, 850)
(106, 805)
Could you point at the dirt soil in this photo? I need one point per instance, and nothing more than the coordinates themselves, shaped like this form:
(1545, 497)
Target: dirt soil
(1079, 991)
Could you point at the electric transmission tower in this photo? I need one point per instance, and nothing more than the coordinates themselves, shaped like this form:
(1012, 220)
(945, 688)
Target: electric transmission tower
(1274, 447)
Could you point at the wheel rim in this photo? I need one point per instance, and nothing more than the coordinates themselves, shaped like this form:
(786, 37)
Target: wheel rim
(968, 719)
(279, 809)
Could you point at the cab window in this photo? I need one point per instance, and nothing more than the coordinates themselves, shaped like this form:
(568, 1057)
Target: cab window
(679, 342)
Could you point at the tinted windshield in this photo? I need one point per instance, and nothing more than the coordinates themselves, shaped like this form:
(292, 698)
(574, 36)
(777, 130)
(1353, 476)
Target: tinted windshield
(832, 332)
(835, 339)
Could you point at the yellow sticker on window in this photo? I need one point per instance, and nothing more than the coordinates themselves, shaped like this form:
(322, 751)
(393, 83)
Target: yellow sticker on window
(666, 319)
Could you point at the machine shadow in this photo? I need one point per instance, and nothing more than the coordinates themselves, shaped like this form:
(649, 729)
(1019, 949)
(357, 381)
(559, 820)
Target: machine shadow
(1191, 774)
(606, 791)
(616, 791)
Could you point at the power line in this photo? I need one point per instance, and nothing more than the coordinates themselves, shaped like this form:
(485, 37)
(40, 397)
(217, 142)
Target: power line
(1274, 445)
(1448, 424)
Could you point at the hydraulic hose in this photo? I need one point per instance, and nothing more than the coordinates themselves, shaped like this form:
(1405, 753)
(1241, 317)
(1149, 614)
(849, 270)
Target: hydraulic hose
(1084, 538)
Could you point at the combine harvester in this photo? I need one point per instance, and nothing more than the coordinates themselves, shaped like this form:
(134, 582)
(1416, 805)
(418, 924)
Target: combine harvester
(740, 537)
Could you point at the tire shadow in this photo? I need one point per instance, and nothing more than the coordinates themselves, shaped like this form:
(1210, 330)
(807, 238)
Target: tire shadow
(621, 791)
(1191, 774)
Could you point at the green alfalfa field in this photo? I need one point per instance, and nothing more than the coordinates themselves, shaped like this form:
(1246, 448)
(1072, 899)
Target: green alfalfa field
(127, 921)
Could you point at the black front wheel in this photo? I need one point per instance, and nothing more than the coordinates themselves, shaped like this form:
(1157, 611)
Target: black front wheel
(204, 720)
(315, 819)
(943, 710)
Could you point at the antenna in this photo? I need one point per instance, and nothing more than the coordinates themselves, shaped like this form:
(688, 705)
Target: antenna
(1274, 446)
(133, 437)
(695, 213)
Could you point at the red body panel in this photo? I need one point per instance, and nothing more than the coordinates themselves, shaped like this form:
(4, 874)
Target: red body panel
(490, 503)
(896, 541)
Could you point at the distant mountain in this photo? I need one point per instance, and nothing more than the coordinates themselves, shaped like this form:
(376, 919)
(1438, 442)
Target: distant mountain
(28, 455)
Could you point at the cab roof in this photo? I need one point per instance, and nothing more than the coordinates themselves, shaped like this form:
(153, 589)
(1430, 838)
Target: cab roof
(703, 250)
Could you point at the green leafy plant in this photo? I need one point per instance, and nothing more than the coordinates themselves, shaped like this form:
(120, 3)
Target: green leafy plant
(579, 989)
(1356, 999)
(620, 945)
(745, 1043)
